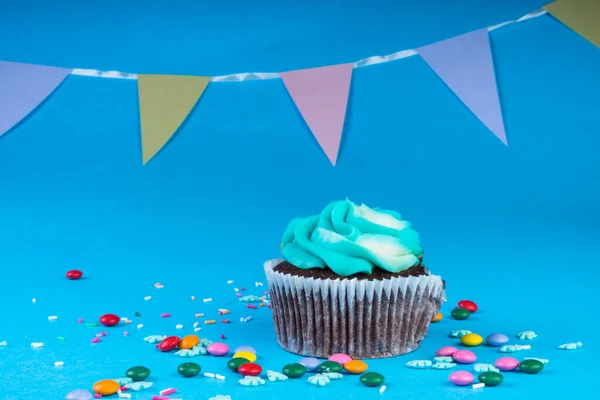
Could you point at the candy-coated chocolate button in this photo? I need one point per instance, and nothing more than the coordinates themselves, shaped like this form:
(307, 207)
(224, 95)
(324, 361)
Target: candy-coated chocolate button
(355, 367)
(249, 349)
(446, 351)
(189, 369)
(79, 394)
(245, 354)
(310, 363)
(106, 387)
(330, 366)
(372, 379)
(235, 363)
(468, 304)
(531, 366)
(497, 339)
(464, 356)
(460, 313)
(250, 369)
(438, 317)
(109, 319)
(295, 370)
(461, 378)
(490, 378)
(74, 274)
(340, 358)
(189, 341)
(506, 363)
(138, 373)
(471, 339)
(217, 349)
(168, 344)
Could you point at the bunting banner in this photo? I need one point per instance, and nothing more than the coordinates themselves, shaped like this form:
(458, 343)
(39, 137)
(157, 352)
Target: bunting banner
(582, 16)
(165, 102)
(466, 65)
(321, 96)
(23, 87)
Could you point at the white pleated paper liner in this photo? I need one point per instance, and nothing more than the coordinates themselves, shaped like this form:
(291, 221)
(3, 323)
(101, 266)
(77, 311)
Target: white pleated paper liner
(361, 318)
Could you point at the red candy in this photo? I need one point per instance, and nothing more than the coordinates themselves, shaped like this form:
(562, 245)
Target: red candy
(250, 369)
(468, 304)
(74, 274)
(109, 320)
(169, 343)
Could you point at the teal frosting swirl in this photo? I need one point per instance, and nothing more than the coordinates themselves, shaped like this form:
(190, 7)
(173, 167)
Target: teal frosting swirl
(351, 239)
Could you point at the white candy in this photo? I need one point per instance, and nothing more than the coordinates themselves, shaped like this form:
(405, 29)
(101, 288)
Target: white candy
(122, 381)
(196, 324)
(3, 343)
(443, 359)
(220, 377)
(138, 386)
(419, 364)
(542, 360)
(570, 346)
(333, 376)
(478, 385)
(480, 368)
(140, 326)
(33, 300)
(443, 365)
(178, 326)
(459, 333)
(251, 381)
(209, 375)
(511, 348)
(37, 345)
(229, 282)
(147, 298)
(382, 389)
(124, 395)
(154, 338)
(59, 364)
(274, 376)
(221, 397)
(207, 300)
(52, 318)
(319, 380)
(527, 335)
(198, 329)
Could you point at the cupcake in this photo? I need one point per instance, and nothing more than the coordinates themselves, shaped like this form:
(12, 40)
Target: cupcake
(352, 280)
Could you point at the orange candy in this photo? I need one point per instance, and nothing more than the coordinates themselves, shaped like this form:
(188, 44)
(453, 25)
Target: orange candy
(355, 367)
(188, 342)
(106, 387)
(438, 317)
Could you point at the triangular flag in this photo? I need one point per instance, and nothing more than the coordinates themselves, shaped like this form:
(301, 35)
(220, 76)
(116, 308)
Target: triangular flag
(23, 87)
(321, 95)
(466, 65)
(165, 102)
(582, 16)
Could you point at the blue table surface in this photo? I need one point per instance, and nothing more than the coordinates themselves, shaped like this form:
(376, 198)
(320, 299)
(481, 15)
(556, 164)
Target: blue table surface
(513, 228)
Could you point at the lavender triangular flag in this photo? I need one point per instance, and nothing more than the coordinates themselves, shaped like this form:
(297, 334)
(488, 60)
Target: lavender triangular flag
(23, 87)
(466, 65)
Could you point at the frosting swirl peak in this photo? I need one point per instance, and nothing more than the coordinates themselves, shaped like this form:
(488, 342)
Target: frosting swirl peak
(351, 239)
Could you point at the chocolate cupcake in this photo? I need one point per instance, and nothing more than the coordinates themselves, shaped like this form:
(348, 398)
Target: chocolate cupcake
(352, 280)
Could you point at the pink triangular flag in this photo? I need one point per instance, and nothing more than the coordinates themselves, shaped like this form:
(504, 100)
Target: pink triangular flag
(466, 65)
(321, 95)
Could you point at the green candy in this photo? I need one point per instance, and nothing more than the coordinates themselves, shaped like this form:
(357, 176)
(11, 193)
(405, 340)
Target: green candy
(137, 314)
(330, 366)
(460, 313)
(294, 370)
(490, 378)
(235, 363)
(531, 366)
(138, 373)
(372, 379)
(189, 369)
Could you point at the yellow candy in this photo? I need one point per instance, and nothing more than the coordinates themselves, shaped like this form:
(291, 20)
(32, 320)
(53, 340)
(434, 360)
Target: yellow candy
(188, 342)
(355, 367)
(245, 354)
(106, 387)
(471, 339)
(438, 317)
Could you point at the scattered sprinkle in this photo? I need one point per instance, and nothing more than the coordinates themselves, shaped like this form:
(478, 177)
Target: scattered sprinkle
(221, 397)
(251, 381)
(3, 343)
(236, 290)
(225, 321)
(198, 329)
(91, 324)
(193, 297)
(140, 326)
(165, 315)
(274, 376)
(258, 284)
(125, 333)
(250, 299)
(147, 298)
(59, 364)
(199, 315)
(480, 368)
(478, 385)
(52, 318)
(229, 282)
(124, 395)
(223, 311)
(96, 340)
(382, 389)
(33, 300)
(527, 335)
(220, 377)
(210, 321)
(37, 345)
(251, 306)
(209, 375)
(178, 326)
(570, 346)
(167, 392)
(80, 320)
(319, 380)
(419, 364)
(207, 300)
(62, 339)
(245, 319)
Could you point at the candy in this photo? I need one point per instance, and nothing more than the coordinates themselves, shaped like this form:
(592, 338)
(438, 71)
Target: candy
(496, 339)
(330, 366)
(276, 376)
(333, 376)
(464, 356)
(480, 367)
(340, 358)
(294, 370)
(511, 348)
(245, 354)
(250, 369)
(490, 378)
(138, 373)
(527, 335)
(460, 313)
(438, 317)
(79, 394)
(570, 346)
(250, 299)
(168, 344)
(442, 359)
(218, 349)
(506, 363)
(154, 339)
(443, 365)
(542, 360)
(249, 349)
(471, 339)
(122, 381)
(167, 392)
(138, 386)
(461, 378)
(372, 379)
(478, 385)
(109, 320)
(235, 363)
(468, 304)
(419, 364)
(531, 366)
(446, 351)
(459, 333)
(355, 367)
(106, 387)
(319, 380)
(188, 342)
(74, 274)
(310, 363)
(251, 381)
(221, 397)
(188, 369)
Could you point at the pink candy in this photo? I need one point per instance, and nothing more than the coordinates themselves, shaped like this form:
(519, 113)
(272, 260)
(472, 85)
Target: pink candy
(464, 356)
(461, 378)
(506, 363)
(96, 340)
(217, 349)
(446, 351)
(340, 358)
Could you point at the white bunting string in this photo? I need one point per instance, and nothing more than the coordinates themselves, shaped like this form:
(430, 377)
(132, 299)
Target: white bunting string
(253, 76)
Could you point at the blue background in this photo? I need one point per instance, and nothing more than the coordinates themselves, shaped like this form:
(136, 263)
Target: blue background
(513, 228)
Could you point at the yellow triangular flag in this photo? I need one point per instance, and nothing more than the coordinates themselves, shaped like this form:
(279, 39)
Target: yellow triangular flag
(582, 16)
(165, 102)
